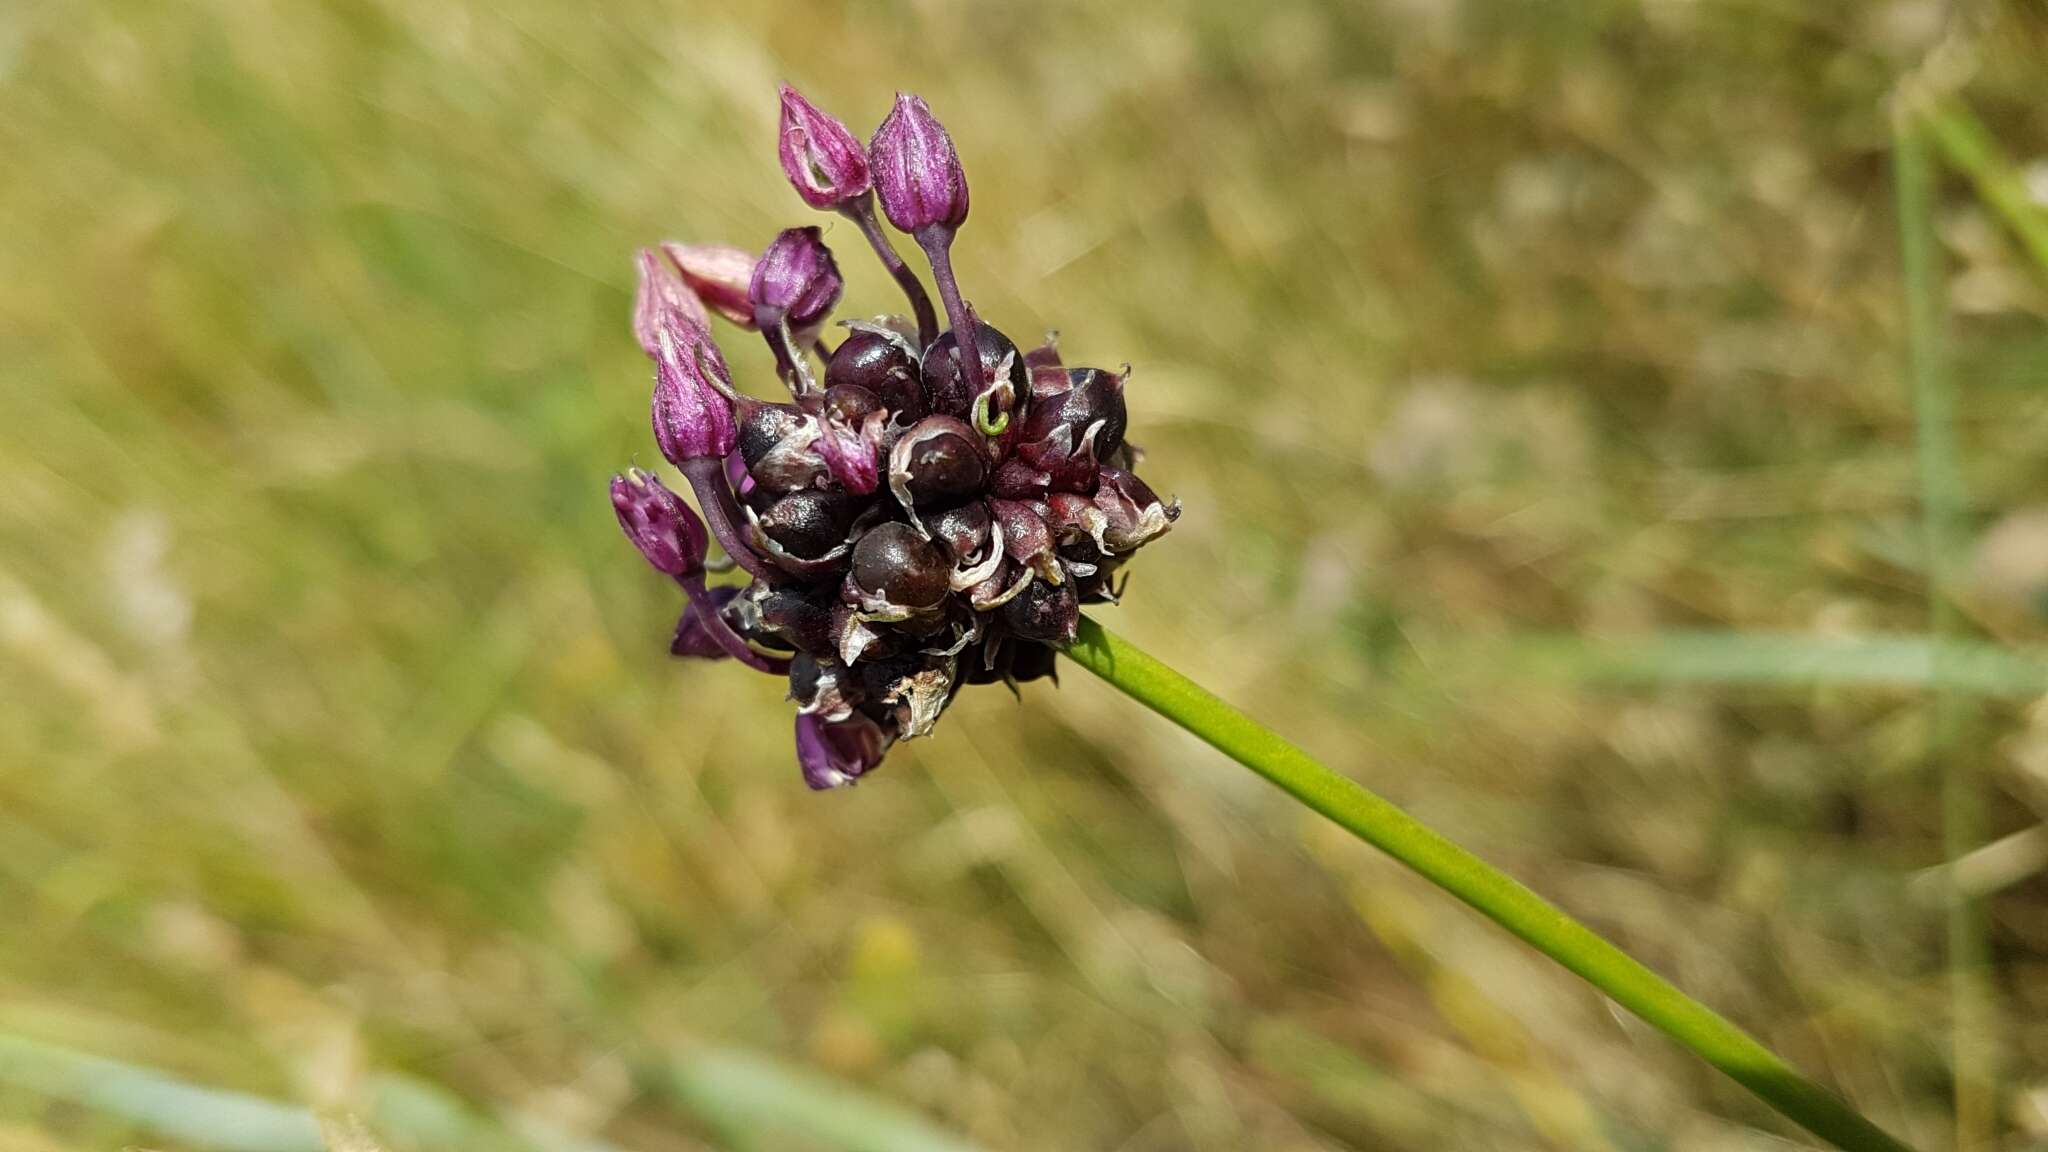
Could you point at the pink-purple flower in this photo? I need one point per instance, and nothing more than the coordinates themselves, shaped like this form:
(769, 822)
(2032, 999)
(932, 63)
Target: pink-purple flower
(692, 412)
(796, 281)
(824, 160)
(666, 530)
(917, 173)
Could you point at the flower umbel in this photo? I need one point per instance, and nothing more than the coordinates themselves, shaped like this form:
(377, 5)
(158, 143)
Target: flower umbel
(915, 517)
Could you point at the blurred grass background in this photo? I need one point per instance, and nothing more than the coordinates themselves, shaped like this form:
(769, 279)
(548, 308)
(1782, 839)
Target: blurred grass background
(1534, 377)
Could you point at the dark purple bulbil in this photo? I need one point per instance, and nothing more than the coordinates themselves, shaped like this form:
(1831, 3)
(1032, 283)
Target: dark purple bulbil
(909, 526)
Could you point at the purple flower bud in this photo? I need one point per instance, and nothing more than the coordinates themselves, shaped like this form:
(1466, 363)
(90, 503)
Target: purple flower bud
(692, 415)
(821, 157)
(796, 280)
(658, 523)
(661, 292)
(916, 171)
(834, 753)
(719, 275)
(692, 638)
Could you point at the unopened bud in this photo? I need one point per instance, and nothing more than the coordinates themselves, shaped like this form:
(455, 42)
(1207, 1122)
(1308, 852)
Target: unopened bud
(917, 173)
(665, 530)
(796, 280)
(692, 415)
(822, 158)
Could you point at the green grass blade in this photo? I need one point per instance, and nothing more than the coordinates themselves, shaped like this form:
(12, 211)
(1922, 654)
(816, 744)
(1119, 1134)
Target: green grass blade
(732, 1090)
(748, 1095)
(202, 1117)
(1971, 1003)
(1966, 144)
(1487, 889)
(1778, 660)
(218, 1120)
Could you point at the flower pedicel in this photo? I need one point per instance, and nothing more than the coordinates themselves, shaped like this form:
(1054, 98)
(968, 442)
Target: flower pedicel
(913, 520)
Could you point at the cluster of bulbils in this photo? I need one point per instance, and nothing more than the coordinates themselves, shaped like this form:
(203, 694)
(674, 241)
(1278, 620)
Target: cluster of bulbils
(912, 522)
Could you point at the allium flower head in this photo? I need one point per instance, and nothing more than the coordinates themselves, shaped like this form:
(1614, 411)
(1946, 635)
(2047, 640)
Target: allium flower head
(823, 159)
(909, 528)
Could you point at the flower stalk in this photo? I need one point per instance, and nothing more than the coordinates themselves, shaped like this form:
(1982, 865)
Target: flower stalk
(1491, 892)
(862, 213)
(713, 622)
(722, 515)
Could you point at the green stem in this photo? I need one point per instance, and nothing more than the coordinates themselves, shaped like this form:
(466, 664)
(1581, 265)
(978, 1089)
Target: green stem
(1509, 904)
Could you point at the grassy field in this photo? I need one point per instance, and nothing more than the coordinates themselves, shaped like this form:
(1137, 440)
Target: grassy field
(1535, 377)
